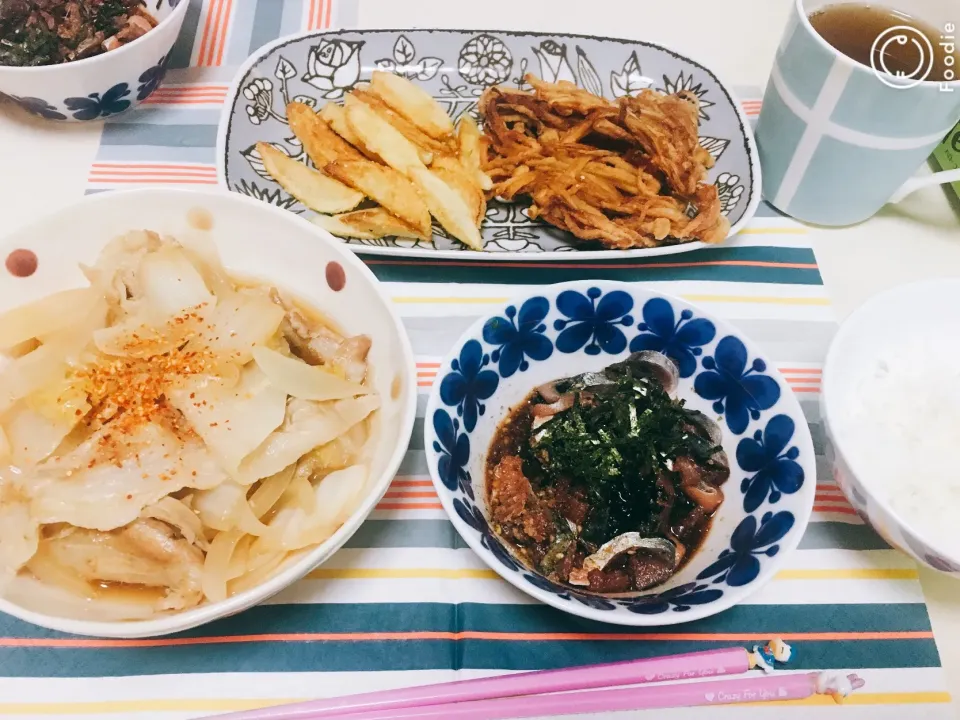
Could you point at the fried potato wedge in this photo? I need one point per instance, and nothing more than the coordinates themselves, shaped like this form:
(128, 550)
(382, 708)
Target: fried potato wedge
(321, 143)
(315, 190)
(388, 187)
(392, 142)
(381, 137)
(336, 117)
(448, 207)
(470, 150)
(367, 224)
(427, 145)
(453, 174)
(413, 102)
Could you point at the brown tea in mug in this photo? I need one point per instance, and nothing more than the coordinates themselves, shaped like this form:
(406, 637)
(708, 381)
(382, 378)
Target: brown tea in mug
(854, 29)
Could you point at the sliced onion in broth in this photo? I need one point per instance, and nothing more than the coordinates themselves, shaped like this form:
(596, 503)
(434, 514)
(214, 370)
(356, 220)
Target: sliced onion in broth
(240, 558)
(49, 570)
(177, 514)
(217, 563)
(46, 315)
(310, 382)
(270, 490)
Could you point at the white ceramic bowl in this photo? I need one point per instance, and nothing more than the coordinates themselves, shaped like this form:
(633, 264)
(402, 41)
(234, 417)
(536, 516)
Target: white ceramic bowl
(257, 241)
(103, 85)
(904, 314)
(576, 327)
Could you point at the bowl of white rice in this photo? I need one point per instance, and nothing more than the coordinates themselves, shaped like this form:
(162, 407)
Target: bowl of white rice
(891, 405)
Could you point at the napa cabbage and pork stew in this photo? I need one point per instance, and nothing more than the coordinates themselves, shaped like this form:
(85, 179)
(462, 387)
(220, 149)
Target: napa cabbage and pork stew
(172, 435)
(49, 32)
(605, 481)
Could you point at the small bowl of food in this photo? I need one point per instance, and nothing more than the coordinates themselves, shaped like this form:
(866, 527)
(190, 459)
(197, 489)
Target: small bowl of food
(191, 418)
(891, 405)
(85, 59)
(620, 454)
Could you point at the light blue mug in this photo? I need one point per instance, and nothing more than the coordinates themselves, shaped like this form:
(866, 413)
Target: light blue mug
(838, 140)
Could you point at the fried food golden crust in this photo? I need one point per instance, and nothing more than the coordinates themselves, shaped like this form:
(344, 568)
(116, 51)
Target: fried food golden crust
(625, 174)
(368, 224)
(412, 102)
(315, 190)
(453, 173)
(321, 143)
(404, 126)
(386, 186)
(391, 143)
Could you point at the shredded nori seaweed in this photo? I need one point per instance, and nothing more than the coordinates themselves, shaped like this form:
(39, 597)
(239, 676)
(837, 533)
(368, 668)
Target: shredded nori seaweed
(27, 40)
(615, 443)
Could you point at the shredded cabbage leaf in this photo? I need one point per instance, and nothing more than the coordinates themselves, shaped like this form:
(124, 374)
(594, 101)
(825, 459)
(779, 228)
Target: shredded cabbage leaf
(308, 382)
(149, 466)
(232, 421)
(307, 425)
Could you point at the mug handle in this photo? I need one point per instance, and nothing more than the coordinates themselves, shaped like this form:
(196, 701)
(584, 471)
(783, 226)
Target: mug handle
(914, 184)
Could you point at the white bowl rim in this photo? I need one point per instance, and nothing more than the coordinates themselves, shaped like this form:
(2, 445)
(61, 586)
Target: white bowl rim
(831, 407)
(180, 9)
(753, 155)
(729, 599)
(206, 613)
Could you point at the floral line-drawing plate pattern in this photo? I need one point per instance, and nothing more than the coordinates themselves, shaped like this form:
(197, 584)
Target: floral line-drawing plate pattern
(576, 327)
(455, 66)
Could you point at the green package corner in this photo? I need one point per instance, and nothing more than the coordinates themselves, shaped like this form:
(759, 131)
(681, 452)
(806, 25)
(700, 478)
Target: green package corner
(947, 154)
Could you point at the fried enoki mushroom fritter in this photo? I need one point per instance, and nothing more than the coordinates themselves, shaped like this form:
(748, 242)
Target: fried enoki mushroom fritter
(626, 174)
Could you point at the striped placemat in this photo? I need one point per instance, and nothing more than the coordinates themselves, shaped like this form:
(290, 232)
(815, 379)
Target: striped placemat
(405, 602)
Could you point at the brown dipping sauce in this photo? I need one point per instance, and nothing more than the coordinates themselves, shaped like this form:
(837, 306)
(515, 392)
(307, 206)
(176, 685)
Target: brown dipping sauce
(526, 515)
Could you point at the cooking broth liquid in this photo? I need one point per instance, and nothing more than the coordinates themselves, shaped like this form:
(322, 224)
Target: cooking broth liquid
(888, 40)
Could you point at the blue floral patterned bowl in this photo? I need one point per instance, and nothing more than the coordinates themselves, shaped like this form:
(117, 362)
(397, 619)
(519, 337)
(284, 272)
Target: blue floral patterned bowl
(103, 85)
(571, 328)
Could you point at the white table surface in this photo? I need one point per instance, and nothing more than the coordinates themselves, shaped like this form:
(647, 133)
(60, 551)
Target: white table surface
(44, 165)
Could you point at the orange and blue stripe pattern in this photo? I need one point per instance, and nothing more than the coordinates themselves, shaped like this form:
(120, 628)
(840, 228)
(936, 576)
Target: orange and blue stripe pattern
(318, 14)
(216, 27)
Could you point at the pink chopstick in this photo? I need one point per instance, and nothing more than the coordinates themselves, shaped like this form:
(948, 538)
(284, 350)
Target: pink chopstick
(729, 661)
(755, 689)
